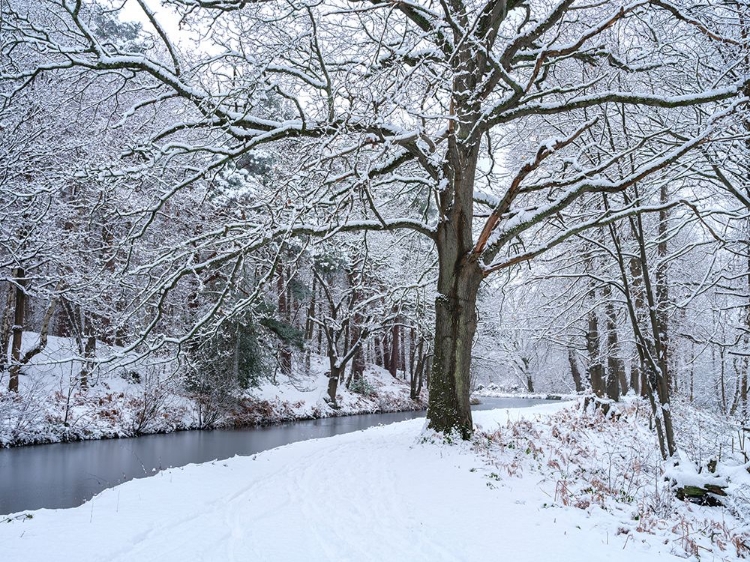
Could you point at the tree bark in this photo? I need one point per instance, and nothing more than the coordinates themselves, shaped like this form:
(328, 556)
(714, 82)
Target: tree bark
(615, 370)
(89, 349)
(596, 369)
(18, 319)
(662, 293)
(638, 374)
(283, 347)
(309, 322)
(575, 371)
(387, 347)
(412, 352)
(529, 383)
(655, 354)
(378, 351)
(395, 353)
(333, 384)
(460, 263)
(6, 328)
(358, 360)
(402, 351)
(455, 325)
(417, 369)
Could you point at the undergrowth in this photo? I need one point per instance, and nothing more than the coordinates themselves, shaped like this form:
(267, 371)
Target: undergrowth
(590, 461)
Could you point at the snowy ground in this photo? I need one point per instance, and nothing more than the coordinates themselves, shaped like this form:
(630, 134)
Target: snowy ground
(538, 484)
(490, 393)
(51, 407)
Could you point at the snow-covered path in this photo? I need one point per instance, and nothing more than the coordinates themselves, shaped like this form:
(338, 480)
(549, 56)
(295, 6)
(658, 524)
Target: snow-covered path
(380, 494)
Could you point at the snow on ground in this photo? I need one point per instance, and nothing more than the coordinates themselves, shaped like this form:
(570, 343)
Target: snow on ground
(537, 484)
(489, 393)
(139, 399)
(293, 398)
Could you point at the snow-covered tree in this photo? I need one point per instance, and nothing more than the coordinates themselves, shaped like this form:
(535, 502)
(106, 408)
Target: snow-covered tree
(477, 124)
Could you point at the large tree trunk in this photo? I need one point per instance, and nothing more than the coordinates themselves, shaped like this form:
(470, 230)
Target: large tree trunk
(455, 325)
(459, 269)
(459, 278)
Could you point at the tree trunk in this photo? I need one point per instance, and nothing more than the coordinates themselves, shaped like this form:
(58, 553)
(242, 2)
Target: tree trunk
(378, 351)
(692, 372)
(309, 322)
(424, 376)
(455, 325)
(638, 374)
(746, 337)
(662, 293)
(596, 369)
(320, 313)
(459, 270)
(333, 384)
(417, 369)
(615, 370)
(387, 347)
(658, 376)
(424, 369)
(43, 330)
(89, 350)
(6, 328)
(412, 352)
(395, 353)
(358, 364)
(575, 371)
(402, 351)
(358, 360)
(529, 384)
(647, 347)
(18, 319)
(284, 349)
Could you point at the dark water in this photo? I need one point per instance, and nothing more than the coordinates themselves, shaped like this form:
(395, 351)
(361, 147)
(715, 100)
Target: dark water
(68, 474)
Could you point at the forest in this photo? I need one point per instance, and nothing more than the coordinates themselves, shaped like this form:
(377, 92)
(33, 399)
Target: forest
(222, 213)
(527, 194)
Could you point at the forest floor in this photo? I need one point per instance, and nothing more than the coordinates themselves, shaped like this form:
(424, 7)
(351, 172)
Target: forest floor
(51, 407)
(552, 482)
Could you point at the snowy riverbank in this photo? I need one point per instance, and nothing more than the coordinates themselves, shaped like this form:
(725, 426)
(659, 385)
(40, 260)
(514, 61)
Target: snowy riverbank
(544, 483)
(51, 407)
